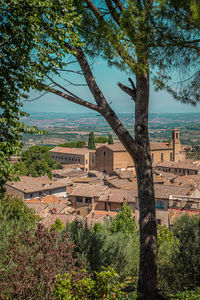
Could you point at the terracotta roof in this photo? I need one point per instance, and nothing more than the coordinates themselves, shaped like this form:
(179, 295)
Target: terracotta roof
(88, 190)
(65, 150)
(163, 191)
(116, 195)
(50, 212)
(51, 199)
(118, 147)
(178, 165)
(28, 184)
(69, 172)
(159, 146)
(175, 213)
(118, 183)
(101, 214)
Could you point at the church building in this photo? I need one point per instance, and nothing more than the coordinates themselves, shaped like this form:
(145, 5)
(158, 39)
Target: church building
(113, 157)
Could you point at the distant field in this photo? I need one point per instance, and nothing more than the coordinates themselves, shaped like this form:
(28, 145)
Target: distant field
(63, 128)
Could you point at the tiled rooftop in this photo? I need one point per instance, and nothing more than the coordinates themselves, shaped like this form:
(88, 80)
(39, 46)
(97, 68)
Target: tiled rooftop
(28, 184)
(65, 150)
(117, 195)
(118, 147)
(88, 190)
(179, 165)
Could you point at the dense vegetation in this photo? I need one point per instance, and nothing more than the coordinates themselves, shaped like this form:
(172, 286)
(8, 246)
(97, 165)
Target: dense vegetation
(76, 144)
(36, 161)
(91, 263)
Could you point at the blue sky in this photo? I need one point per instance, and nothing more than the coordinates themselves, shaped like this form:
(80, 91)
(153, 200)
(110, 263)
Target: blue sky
(107, 78)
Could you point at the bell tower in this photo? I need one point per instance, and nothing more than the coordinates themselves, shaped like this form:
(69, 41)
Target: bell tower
(178, 152)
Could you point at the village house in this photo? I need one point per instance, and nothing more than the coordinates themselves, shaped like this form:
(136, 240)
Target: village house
(50, 210)
(181, 168)
(30, 187)
(81, 156)
(86, 195)
(112, 199)
(114, 157)
(173, 198)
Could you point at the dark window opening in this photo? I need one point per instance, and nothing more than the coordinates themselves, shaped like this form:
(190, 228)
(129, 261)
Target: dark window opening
(79, 199)
(88, 200)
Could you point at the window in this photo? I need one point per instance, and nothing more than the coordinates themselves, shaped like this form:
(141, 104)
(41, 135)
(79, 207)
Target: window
(88, 200)
(104, 153)
(50, 192)
(69, 159)
(152, 157)
(160, 204)
(79, 160)
(158, 221)
(79, 199)
(40, 193)
(161, 156)
(177, 135)
(171, 156)
(72, 159)
(86, 161)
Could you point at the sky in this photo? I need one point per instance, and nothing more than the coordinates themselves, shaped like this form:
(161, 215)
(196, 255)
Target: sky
(107, 78)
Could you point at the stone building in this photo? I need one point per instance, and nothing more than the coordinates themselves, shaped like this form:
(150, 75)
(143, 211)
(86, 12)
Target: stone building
(29, 187)
(112, 157)
(81, 156)
(179, 168)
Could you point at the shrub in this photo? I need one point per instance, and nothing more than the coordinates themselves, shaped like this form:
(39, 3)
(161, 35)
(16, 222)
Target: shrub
(104, 285)
(35, 258)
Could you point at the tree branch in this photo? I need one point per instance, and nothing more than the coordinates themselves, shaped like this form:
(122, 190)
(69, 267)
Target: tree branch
(76, 100)
(119, 5)
(113, 12)
(94, 9)
(127, 90)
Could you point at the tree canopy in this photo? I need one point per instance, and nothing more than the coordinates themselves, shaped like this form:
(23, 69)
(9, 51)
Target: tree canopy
(36, 161)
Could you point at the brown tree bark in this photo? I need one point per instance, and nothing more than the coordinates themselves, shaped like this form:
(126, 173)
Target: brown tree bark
(139, 149)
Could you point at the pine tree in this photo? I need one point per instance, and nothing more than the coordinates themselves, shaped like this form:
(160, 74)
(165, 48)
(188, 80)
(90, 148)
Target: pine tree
(91, 143)
(110, 139)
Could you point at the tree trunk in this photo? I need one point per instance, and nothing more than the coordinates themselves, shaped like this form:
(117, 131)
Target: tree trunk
(148, 230)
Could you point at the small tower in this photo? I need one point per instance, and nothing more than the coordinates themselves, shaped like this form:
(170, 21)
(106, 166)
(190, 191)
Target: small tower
(178, 152)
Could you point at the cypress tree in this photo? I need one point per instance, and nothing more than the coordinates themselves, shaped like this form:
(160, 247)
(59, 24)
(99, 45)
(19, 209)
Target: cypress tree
(110, 139)
(91, 143)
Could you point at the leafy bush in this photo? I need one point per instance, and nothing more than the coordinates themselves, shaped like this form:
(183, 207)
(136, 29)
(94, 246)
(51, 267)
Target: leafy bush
(76, 144)
(114, 244)
(33, 261)
(104, 285)
(101, 139)
(179, 257)
(187, 295)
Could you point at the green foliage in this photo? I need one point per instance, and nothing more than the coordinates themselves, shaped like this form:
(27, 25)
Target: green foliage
(15, 216)
(32, 34)
(187, 295)
(179, 260)
(104, 285)
(110, 139)
(99, 247)
(91, 143)
(36, 161)
(124, 222)
(101, 140)
(77, 144)
(57, 226)
(165, 235)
